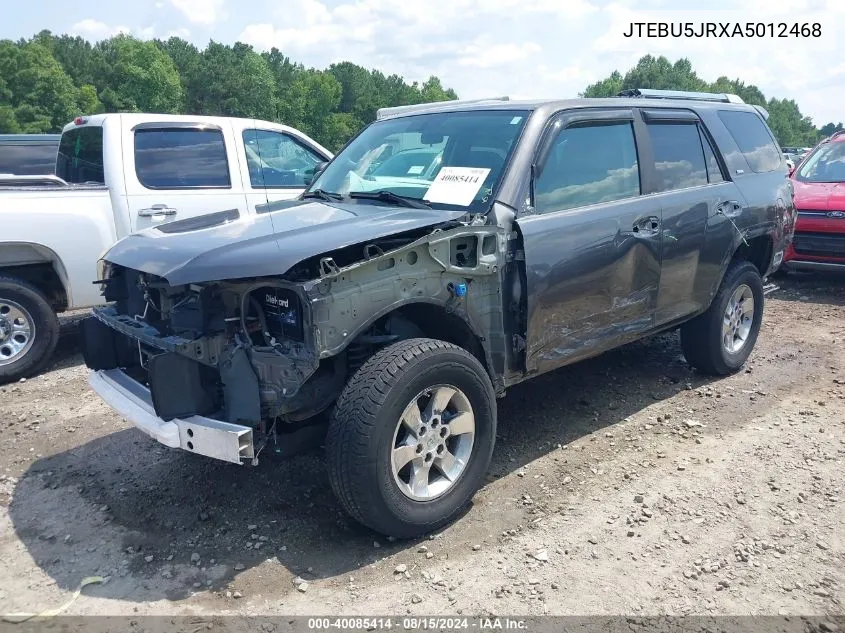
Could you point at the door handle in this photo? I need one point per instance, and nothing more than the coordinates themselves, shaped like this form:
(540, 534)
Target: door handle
(156, 209)
(649, 225)
(729, 208)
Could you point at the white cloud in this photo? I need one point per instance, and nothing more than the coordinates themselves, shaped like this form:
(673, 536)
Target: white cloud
(95, 30)
(204, 12)
(485, 55)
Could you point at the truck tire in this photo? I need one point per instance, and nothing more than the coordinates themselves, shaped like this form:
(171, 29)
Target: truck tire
(29, 329)
(411, 437)
(719, 341)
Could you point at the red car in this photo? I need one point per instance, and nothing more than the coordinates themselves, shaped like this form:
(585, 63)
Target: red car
(819, 183)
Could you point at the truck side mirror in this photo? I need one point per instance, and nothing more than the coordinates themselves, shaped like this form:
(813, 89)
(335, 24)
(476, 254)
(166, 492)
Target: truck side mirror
(311, 176)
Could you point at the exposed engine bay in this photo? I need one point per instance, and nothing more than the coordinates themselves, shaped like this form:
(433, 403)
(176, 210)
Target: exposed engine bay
(274, 353)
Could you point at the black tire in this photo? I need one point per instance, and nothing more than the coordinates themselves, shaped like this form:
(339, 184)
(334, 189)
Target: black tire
(361, 435)
(46, 328)
(701, 337)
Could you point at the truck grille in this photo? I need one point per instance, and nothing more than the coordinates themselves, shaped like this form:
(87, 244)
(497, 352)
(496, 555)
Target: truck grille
(820, 244)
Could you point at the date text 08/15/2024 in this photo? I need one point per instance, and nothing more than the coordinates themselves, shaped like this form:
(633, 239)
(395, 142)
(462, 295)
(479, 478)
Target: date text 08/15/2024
(417, 623)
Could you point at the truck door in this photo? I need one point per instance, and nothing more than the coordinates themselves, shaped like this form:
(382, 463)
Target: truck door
(592, 244)
(178, 170)
(276, 164)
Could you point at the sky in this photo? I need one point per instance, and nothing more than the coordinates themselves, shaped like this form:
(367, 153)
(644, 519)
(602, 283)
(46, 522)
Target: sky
(491, 48)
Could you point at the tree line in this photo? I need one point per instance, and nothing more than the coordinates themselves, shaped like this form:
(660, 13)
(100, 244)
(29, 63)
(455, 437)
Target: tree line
(790, 126)
(48, 80)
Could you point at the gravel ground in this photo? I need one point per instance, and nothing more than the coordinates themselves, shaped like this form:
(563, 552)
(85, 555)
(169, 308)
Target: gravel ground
(624, 484)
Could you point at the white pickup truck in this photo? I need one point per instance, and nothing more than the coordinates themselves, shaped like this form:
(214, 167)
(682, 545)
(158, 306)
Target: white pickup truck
(117, 174)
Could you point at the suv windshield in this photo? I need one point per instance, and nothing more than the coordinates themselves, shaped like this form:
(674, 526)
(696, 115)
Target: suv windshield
(445, 159)
(826, 164)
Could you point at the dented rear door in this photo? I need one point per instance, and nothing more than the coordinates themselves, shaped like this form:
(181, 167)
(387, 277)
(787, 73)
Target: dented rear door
(592, 243)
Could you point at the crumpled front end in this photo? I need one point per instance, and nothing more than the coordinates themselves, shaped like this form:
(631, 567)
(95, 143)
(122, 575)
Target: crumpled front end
(235, 354)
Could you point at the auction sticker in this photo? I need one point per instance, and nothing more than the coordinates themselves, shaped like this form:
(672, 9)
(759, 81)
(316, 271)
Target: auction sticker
(456, 185)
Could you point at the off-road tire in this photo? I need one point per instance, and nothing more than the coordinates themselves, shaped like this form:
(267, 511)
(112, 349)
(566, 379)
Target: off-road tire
(701, 337)
(45, 322)
(361, 434)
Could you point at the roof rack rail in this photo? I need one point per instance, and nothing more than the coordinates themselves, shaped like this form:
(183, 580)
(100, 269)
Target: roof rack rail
(386, 113)
(681, 95)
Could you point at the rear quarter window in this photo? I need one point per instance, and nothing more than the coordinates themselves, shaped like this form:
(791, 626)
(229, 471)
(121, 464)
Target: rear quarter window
(181, 158)
(753, 138)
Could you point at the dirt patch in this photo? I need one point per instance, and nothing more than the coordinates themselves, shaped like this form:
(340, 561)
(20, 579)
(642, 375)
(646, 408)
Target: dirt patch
(624, 484)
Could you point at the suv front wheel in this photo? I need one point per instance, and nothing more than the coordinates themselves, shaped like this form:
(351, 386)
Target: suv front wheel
(719, 341)
(411, 437)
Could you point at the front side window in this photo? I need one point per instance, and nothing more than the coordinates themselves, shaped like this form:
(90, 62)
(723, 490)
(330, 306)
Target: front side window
(80, 158)
(753, 139)
(181, 158)
(678, 155)
(589, 164)
(826, 164)
(445, 159)
(276, 160)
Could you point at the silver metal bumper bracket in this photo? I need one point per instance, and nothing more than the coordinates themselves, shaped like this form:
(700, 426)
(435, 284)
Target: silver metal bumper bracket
(198, 434)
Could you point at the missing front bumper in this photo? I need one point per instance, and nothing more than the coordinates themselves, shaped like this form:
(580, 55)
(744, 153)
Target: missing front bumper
(205, 436)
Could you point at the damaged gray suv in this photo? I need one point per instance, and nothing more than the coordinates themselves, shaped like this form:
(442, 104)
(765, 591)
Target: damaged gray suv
(448, 252)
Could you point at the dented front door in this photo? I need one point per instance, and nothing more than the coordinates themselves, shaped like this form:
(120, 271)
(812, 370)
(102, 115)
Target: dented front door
(592, 243)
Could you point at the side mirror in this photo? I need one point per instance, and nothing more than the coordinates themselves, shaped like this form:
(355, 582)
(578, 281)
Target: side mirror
(311, 175)
(790, 172)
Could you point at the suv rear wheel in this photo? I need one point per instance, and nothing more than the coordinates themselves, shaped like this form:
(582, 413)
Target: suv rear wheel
(719, 341)
(411, 437)
(29, 329)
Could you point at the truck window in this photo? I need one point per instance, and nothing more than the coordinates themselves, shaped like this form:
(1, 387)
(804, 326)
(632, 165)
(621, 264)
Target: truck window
(27, 158)
(181, 158)
(80, 158)
(278, 160)
(753, 138)
(587, 165)
(678, 155)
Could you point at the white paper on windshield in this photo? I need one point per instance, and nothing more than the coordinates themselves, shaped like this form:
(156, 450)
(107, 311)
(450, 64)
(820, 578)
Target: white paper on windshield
(416, 169)
(456, 185)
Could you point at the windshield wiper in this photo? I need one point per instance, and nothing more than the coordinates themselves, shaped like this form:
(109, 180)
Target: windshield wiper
(393, 198)
(322, 194)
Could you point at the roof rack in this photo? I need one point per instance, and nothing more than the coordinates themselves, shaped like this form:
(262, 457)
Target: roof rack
(681, 95)
(386, 113)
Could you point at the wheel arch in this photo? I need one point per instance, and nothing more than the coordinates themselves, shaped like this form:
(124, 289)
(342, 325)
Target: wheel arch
(437, 320)
(40, 266)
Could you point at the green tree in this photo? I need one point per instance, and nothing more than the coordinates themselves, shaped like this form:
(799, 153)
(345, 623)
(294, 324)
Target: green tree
(829, 128)
(233, 81)
(312, 98)
(137, 76)
(787, 122)
(36, 95)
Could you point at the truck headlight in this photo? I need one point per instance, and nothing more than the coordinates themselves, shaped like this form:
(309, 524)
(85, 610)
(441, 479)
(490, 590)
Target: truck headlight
(104, 269)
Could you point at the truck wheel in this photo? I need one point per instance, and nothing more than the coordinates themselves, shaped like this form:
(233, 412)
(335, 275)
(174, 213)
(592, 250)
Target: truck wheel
(719, 341)
(411, 437)
(29, 329)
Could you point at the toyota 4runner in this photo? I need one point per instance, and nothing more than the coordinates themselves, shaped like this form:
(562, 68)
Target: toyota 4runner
(448, 252)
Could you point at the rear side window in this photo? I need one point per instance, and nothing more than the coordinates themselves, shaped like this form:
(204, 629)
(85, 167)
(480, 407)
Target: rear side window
(678, 155)
(80, 158)
(587, 165)
(181, 158)
(753, 138)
